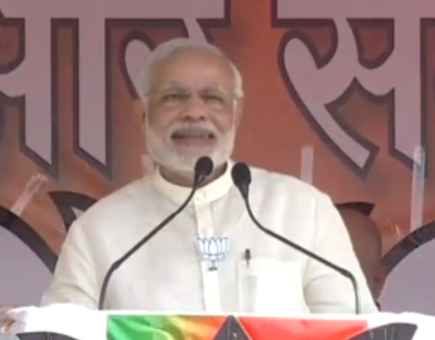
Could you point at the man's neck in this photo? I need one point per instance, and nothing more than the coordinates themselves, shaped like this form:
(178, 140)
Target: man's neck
(185, 179)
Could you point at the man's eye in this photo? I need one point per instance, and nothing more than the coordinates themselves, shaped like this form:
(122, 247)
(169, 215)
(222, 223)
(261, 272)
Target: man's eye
(173, 96)
(212, 97)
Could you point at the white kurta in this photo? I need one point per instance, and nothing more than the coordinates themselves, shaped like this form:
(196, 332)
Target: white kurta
(167, 274)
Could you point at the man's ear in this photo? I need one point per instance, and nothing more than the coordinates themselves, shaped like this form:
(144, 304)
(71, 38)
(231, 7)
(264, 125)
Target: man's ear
(139, 112)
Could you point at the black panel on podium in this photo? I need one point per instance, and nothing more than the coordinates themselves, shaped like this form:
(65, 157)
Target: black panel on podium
(392, 331)
(231, 330)
(43, 336)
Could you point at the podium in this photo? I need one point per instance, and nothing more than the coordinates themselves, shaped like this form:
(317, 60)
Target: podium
(69, 322)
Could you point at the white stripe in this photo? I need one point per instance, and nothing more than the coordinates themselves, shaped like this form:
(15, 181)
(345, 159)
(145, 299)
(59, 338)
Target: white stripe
(32, 186)
(417, 189)
(307, 163)
(212, 297)
(210, 279)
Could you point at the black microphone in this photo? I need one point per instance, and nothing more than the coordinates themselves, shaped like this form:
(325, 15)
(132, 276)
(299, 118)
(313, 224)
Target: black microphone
(242, 179)
(203, 168)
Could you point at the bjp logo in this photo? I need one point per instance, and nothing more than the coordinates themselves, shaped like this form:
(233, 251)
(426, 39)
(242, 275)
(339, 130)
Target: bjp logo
(212, 249)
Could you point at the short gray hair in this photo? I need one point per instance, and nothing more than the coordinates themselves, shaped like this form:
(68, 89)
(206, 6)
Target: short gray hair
(166, 50)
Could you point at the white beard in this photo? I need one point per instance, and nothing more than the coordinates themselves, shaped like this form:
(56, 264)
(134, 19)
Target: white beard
(163, 152)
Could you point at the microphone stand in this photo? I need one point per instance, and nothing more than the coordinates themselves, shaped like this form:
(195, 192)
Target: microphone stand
(203, 168)
(242, 179)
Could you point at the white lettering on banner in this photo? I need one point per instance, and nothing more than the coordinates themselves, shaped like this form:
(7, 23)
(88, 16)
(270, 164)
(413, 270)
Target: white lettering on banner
(400, 72)
(307, 164)
(417, 189)
(35, 183)
(32, 78)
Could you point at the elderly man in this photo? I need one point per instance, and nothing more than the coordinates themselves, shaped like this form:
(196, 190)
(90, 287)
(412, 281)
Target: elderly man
(191, 105)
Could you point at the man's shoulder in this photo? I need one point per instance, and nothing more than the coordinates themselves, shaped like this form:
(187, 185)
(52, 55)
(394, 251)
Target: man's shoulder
(288, 198)
(270, 181)
(119, 203)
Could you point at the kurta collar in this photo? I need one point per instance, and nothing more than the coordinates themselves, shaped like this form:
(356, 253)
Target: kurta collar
(212, 191)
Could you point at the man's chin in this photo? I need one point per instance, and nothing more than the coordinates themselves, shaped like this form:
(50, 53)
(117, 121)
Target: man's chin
(194, 143)
(193, 153)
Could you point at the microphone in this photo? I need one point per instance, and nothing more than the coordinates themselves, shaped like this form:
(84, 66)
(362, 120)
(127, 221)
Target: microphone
(242, 179)
(203, 168)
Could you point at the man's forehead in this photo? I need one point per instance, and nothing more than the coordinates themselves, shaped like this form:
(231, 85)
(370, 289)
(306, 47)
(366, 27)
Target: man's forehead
(174, 84)
(193, 58)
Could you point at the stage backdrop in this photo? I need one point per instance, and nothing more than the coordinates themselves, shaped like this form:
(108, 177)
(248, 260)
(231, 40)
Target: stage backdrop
(342, 96)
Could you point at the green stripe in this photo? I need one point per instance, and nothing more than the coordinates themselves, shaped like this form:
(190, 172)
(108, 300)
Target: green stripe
(135, 327)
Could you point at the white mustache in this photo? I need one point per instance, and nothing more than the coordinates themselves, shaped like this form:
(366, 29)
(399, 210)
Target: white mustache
(202, 127)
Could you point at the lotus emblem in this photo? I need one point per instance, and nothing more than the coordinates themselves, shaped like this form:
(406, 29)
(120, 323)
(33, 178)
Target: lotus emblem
(212, 249)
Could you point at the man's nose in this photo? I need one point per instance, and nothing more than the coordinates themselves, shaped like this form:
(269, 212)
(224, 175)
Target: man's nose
(194, 109)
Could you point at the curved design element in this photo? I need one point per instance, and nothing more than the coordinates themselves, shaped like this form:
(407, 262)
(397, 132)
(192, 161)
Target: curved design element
(407, 245)
(28, 236)
(66, 202)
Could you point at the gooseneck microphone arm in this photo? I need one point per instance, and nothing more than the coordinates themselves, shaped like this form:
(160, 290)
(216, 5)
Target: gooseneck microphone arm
(242, 179)
(203, 168)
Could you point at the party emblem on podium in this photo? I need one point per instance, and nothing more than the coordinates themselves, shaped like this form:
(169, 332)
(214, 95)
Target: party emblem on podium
(212, 249)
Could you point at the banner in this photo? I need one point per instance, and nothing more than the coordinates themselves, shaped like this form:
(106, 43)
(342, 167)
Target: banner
(128, 327)
(54, 322)
(340, 96)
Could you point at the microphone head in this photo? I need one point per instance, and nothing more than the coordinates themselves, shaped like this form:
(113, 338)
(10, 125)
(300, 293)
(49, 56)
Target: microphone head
(203, 169)
(242, 178)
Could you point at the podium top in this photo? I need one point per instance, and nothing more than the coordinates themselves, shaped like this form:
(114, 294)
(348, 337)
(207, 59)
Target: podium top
(81, 323)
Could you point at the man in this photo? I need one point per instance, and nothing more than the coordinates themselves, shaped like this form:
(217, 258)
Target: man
(367, 242)
(191, 105)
